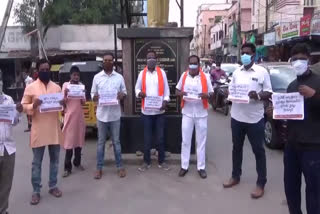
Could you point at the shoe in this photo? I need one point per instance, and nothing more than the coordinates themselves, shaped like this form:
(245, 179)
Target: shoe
(27, 130)
(80, 167)
(202, 173)
(144, 167)
(122, 173)
(183, 172)
(231, 183)
(258, 192)
(55, 192)
(66, 174)
(35, 199)
(164, 166)
(98, 174)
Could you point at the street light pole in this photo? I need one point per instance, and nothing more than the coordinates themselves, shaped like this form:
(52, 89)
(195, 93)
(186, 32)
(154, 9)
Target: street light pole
(239, 31)
(5, 21)
(267, 16)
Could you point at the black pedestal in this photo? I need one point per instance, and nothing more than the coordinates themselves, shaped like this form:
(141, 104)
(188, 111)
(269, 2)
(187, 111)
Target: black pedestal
(132, 134)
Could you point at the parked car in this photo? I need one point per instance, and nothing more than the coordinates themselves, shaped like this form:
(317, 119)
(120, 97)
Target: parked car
(281, 75)
(229, 68)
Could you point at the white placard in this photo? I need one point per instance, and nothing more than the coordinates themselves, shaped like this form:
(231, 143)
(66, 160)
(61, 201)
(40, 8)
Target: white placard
(153, 102)
(239, 93)
(108, 98)
(288, 106)
(76, 91)
(192, 94)
(51, 102)
(7, 113)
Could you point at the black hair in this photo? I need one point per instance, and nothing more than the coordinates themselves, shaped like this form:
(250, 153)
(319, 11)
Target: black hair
(152, 51)
(194, 56)
(249, 45)
(42, 61)
(74, 69)
(109, 54)
(301, 48)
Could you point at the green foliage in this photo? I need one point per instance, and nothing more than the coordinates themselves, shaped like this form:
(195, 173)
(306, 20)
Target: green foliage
(58, 12)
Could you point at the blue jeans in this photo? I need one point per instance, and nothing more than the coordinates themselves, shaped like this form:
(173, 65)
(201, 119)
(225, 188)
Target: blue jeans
(103, 129)
(153, 123)
(255, 133)
(54, 152)
(296, 163)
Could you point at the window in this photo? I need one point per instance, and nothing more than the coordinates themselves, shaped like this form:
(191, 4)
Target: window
(211, 20)
(209, 46)
(214, 38)
(253, 7)
(252, 26)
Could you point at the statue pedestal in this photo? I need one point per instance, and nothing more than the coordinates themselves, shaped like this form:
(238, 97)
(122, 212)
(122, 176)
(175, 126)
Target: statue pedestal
(172, 46)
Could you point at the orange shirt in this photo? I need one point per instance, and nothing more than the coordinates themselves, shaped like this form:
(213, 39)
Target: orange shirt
(45, 128)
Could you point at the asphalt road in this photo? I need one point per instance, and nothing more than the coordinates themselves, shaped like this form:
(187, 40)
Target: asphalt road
(154, 191)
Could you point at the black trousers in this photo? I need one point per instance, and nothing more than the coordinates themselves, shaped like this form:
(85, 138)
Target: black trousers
(76, 160)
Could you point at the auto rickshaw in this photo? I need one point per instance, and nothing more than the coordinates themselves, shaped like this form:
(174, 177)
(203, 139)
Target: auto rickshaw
(87, 71)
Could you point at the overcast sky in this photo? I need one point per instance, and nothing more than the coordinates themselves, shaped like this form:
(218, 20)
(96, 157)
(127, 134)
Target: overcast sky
(190, 10)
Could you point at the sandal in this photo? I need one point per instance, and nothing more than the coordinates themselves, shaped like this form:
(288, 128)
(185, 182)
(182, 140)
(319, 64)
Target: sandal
(98, 175)
(55, 192)
(122, 173)
(35, 199)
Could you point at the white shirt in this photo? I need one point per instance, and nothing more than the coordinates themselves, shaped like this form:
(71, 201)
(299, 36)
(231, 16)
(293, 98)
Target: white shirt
(6, 139)
(152, 88)
(102, 81)
(258, 80)
(28, 81)
(194, 108)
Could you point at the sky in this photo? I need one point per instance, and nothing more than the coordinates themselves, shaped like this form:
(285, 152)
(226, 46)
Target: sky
(190, 11)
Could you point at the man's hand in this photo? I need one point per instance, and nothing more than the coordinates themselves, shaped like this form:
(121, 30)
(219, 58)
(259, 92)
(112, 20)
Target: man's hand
(66, 91)
(19, 107)
(253, 95)
(142, 95)
(96, 98)
(204, 96)
(62, 102)
(121, 96)
(306, 91)
(36, 103)
(164, 105)
(181, 93)
(269, 111)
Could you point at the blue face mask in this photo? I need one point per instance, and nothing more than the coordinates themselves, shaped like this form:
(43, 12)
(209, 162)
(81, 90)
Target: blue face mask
(246, 59)
(193, 67)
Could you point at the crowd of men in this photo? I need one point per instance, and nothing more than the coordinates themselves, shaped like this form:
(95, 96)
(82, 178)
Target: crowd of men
(301, 156)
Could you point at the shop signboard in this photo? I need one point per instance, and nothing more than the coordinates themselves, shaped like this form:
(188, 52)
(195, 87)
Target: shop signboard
(305, 24)
(289, 30)
(315, 25)
(269, 39)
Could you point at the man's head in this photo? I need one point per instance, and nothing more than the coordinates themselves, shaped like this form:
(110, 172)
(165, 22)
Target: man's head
(300, 55)
(151, 60)
(43, 67)
(194, 63)
(218, 65)
(108, 62)
(74, 75)
(248, 52)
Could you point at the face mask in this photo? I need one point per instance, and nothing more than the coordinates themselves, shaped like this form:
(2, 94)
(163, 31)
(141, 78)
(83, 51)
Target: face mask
(193, 67)
(246, 59)
(151, 63)
(300, 66)
(44, 76)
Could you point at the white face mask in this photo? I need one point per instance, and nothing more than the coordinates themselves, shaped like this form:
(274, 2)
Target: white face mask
(300, 66)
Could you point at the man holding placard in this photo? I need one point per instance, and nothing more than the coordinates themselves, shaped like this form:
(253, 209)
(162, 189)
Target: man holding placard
(42, 100)
(8, 118)
(108, 89)
(302, 153)
(153, 89)
(195, 90)
(74, 127)
(249, 87)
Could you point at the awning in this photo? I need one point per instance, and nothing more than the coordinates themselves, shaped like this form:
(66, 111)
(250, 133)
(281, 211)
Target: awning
(55, 68)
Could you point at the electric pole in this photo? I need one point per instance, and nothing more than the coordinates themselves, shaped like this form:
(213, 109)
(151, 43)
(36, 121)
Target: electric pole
(267, 8)
(40, 29)
(239, 32)
(5, 21)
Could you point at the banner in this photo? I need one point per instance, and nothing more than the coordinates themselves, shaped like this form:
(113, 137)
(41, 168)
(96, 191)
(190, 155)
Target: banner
(288, 106)
(108, 98)
(51, 102)
(7, 113)
(153, 102)
(239, 93)
(305, 25)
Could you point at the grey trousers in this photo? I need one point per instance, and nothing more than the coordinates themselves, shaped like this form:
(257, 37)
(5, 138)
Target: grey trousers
(6, 177)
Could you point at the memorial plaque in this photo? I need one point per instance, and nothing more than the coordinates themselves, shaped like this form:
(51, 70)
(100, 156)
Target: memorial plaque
(166, 50)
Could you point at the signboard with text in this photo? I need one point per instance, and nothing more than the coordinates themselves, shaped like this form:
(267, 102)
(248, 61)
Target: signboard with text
(315, 25)
(290, 30)
(166, 50)
(305, 24)
(288, 106)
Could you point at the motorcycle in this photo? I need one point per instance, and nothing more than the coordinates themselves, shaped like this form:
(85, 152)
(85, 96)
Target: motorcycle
(220, 98)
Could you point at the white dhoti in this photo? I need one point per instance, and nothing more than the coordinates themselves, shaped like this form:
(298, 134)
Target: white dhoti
(201, 125)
